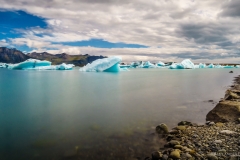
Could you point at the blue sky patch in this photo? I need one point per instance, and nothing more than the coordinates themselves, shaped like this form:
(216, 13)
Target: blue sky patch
(12, 20)
(100, 43)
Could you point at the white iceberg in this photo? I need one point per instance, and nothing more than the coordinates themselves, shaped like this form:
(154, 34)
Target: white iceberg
(202, 65)
(148, 65)
(210, 66)
(64, 66)
(228, 66)
(110, 64)
(160, 64)
(185, 64)
(29, 64)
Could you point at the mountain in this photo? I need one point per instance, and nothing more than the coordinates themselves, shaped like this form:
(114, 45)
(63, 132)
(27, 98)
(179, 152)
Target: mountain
(12, 55)
(15, 56)
(77, 60)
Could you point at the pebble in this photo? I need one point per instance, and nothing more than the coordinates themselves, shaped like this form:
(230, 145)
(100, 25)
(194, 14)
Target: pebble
(175, 154)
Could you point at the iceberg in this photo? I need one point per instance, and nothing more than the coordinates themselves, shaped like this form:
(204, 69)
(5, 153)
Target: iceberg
(110, 64)
(185, 64)
(228, 66)
(64, 66)
(202, 65)
(237, 66)
(148, 65)
(29, 64)
(160, 64)
(210, 66)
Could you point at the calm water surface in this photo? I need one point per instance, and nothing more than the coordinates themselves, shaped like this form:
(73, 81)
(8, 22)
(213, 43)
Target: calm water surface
(47, 114)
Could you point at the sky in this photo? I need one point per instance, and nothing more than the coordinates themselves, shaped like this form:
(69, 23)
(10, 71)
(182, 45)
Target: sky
(155, 30)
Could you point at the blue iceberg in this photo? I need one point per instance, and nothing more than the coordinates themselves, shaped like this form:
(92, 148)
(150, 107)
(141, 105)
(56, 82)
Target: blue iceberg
(202, 65)
(210, 66)
(148, 65)
(160, 64)
(64, 66)
(29, 64)
(185, 64)
(110, 64)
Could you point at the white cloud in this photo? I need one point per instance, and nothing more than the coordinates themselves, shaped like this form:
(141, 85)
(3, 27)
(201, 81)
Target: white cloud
(181, 28)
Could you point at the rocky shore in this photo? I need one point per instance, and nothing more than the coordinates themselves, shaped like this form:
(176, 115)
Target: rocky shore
(218, 139)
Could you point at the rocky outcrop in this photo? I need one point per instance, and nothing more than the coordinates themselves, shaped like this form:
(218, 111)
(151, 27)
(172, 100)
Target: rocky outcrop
(228, 109)
(225, 111)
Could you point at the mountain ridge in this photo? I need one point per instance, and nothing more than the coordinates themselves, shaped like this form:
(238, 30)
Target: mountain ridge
(12, 55)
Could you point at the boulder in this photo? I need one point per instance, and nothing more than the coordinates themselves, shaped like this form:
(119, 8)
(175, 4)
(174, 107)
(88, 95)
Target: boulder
(225, 111)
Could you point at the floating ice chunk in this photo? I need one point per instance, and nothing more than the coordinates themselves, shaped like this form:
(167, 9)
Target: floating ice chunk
(103, 65)
(185, 64)
(210, 66)
(218, 66)
(124, 69)
(228, 66)
(64, 66)
(148, 65)
(176, 66)
(160, 64)
(124, 66)
(237, 66)
(29, 64)
(202, 65)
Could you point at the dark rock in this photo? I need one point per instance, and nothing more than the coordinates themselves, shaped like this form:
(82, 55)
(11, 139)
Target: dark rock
(156, 155)
(231, 72)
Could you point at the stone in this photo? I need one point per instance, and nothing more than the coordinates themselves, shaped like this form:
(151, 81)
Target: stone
(211, 123)
(212, 157)
(181, 128)
(231, 72)
(183, 123)
(175, 154)
(156, 155)
(165, 157)
(178, 147)
(225, 111)
(162, 129)
(173, 143)
(227, 132)
(219, 124)
(218, 141)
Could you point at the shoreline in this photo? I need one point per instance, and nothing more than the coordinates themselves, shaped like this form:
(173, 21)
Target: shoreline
(217, 139)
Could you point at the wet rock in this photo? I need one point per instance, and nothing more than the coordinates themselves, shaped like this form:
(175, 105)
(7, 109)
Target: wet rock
(175, 154)
(181, 128)
(156, 155)
(173, 143)
(219, 124)
(225, 111)
(165, 157)
(162, 129)
(184, 123)
(212, 157)
(231, 72)
(227, 132)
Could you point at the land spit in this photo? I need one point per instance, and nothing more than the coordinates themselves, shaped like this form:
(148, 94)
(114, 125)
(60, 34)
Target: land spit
(218, 139)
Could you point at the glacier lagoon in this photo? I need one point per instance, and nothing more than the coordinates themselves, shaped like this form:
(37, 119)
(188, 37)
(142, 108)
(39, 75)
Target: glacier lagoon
(44, 114)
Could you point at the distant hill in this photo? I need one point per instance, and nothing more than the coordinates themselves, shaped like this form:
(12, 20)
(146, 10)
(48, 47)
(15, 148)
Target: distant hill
(12, 55)
(15, 56)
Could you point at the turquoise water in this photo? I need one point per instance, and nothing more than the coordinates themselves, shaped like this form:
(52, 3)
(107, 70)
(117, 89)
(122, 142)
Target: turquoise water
(44, 114)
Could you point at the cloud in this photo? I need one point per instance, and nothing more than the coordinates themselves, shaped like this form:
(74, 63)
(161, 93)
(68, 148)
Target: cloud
(174, 30)
(231, 8)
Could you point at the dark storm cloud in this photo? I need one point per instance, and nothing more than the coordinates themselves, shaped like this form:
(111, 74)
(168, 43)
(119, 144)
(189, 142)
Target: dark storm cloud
(206, 33)
(231, 9)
